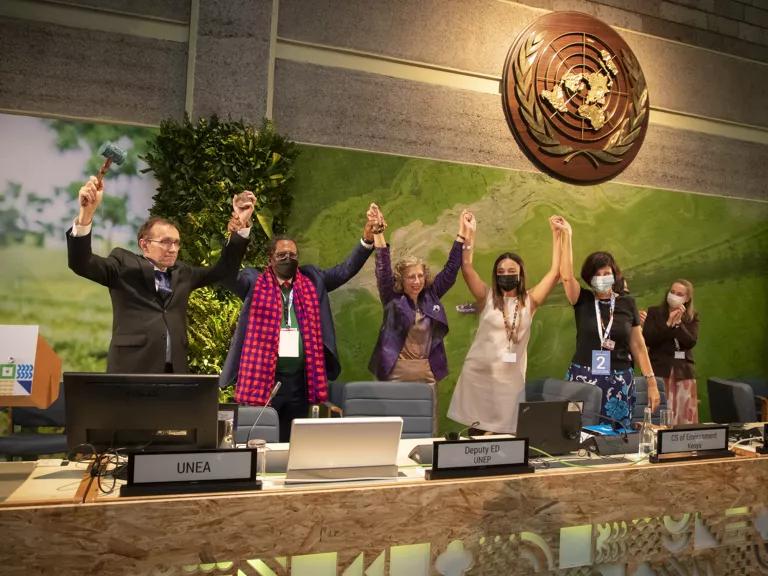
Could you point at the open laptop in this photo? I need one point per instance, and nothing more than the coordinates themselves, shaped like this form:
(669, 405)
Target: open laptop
(553, 427)
(337, 449)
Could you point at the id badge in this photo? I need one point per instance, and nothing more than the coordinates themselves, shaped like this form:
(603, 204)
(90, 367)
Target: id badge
(679, 354)
(509, 357)
(609, 344)
(601, 362)
(289, 343)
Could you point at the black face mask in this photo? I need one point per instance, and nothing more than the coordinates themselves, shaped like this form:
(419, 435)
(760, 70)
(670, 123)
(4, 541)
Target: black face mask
(286, 268)
(507, 282)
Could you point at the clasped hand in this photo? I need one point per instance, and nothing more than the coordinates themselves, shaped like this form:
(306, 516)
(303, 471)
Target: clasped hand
(243, 205)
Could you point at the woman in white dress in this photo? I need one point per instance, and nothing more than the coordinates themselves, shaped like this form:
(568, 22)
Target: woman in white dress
(492, 381)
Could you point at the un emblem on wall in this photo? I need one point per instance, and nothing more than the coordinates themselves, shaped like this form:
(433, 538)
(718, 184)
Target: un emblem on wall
(575, 97)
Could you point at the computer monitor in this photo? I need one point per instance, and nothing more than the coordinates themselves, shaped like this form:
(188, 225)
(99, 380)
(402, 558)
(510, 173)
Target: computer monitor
(141, 411)
(552, 427)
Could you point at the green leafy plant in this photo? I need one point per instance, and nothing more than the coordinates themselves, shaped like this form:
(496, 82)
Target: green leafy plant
(199, 167)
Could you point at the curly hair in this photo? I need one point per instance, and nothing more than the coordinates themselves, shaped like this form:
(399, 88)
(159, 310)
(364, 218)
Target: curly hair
(598, 260)
(406, 262)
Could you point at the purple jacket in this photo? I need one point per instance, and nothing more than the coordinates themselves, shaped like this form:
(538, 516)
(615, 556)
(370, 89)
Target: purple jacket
(400, 314)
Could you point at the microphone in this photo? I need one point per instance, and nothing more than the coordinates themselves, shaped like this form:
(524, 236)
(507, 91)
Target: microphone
(272, 394)
(422, 454)
(454, 436)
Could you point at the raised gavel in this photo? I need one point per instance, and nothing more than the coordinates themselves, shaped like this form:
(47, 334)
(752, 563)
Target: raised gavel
(112, 153)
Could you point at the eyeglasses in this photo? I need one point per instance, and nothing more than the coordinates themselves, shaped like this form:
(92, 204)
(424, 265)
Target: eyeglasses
(166, 243)
(286, 255)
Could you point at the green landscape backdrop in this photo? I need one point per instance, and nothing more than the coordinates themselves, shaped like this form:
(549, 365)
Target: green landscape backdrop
(720, 244)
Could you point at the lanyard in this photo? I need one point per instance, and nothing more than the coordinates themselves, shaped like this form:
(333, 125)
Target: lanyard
(287, 305)
(511, 329)
(604, 331)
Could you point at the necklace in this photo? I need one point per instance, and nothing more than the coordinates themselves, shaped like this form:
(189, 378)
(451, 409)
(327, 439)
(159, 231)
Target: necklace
(511, 328)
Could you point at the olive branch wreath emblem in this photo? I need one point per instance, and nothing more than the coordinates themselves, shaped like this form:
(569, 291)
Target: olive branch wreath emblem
(541, 129)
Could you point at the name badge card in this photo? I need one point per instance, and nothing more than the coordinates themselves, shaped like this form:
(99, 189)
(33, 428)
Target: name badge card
(691, 442)
(190, 471)
(601, 362)
(679, 355)
(289, 343)
(488, 456)
(509, 357)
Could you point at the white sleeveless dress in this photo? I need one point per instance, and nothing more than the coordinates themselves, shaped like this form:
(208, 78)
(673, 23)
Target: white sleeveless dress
(489, 390)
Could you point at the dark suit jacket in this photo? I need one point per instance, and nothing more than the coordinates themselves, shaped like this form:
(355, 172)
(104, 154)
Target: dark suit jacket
(660, 340)
(139, 316)
(324, 281)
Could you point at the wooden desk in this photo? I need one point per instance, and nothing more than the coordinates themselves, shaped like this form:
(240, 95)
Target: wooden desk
(44, 481)
(711, 515)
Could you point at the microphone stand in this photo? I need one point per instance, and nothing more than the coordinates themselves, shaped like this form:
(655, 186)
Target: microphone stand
(454, 436)
(272, 394)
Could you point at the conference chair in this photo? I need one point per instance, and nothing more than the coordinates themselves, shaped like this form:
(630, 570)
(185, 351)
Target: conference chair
(29, 442)
(731, 401)
(268, 427)
(552, 389)
(641, 399)
(760, 390)
(412, 401)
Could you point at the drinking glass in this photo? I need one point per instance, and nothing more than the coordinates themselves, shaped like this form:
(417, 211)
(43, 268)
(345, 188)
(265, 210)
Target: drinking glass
(261, 457)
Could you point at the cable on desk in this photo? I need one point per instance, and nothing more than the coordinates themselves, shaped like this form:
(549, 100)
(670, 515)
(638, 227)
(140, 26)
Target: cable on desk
(574, 465)
(106, 466)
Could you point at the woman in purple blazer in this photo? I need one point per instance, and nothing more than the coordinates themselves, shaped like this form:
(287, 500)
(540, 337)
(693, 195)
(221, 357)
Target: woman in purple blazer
(410, 346)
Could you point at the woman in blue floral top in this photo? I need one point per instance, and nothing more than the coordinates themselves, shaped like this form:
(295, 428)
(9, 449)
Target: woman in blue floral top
(608, 333)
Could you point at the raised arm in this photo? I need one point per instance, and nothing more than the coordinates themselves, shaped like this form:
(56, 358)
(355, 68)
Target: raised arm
(242, 283)
(540, 292)
(346, 270)
(477, 287)
(80, 258)
(570, 283)
(447, 276)
(385, 279)
(226, 269)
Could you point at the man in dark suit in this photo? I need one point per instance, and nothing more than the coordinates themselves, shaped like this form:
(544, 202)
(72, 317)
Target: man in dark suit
(150, 290)
(285, 330)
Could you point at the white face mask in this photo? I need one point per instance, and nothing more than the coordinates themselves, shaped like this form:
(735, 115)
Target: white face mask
(602, 283)
(674, 300)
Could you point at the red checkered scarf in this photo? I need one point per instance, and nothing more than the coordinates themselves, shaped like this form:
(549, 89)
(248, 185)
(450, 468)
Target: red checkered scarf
(258, 358)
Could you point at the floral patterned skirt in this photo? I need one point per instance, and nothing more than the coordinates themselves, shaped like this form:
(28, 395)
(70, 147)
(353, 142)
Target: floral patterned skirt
(682, 399)
(618, 390)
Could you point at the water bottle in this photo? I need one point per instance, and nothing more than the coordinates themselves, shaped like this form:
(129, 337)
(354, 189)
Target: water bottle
(647, 436)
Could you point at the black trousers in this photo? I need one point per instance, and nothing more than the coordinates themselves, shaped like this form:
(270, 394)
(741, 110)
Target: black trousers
(290, 401)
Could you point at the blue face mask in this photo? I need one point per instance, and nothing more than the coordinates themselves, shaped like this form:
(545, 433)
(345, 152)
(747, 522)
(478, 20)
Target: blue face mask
(602, 283)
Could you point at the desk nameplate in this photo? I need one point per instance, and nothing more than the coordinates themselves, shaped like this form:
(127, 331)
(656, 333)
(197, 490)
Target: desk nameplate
(479, 457)
(191, 471)
(692, 442)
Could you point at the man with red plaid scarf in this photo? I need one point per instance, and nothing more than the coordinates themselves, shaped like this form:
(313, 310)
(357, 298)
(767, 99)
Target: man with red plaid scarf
(285, 330)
